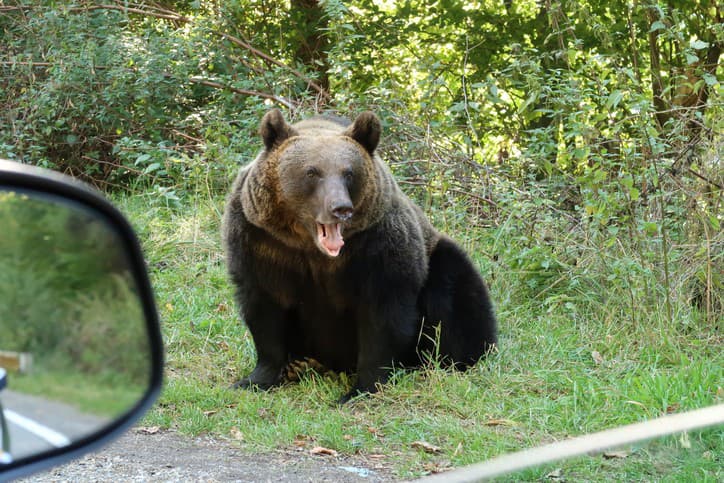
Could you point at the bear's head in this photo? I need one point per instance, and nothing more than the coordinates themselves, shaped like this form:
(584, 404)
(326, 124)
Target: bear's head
(324, 175)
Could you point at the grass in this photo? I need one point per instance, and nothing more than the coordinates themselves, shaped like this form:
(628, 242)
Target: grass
(585, 346)
(86, 392)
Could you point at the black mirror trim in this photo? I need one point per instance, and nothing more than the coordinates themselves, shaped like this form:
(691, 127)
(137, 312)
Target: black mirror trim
(14, 175)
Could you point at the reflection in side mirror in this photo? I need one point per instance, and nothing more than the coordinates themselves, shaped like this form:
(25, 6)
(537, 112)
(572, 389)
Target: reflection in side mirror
(79, 343)
(72, 326)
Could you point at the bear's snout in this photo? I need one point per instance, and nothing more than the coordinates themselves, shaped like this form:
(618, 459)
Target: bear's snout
(337, 202)
(343, 211)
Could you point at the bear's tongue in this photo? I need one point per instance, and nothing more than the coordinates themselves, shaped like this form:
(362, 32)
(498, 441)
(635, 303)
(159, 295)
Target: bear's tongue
(330, 238)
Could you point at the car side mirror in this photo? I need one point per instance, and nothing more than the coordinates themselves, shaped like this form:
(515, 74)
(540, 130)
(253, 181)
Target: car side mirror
(80, 346)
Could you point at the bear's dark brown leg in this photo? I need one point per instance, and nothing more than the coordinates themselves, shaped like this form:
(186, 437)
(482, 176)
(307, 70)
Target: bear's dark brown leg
(456, 297)
(387, 334)
(266, 321)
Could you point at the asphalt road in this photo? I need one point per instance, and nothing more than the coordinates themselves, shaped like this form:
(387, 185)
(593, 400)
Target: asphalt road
(36, 424)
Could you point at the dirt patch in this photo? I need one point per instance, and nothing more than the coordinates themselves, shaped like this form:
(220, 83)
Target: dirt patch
(167, 456)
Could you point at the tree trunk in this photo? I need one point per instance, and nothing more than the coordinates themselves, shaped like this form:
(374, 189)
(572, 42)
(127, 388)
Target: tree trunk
(657, 86)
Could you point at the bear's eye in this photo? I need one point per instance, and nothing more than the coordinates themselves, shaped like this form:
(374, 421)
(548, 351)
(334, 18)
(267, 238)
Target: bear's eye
(348, 175)
(312, 172)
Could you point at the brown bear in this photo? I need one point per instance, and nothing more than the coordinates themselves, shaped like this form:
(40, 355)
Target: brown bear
(331, 261)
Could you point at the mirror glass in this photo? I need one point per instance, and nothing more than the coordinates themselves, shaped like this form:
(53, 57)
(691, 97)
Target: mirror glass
(73, 342)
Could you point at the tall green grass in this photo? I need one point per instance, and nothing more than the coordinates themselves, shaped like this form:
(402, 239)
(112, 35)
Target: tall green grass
(586, 344)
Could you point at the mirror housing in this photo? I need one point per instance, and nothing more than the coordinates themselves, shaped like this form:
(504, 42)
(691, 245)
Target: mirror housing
(41, 183)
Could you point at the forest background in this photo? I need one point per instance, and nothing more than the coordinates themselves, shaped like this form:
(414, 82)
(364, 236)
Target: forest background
(574, 148)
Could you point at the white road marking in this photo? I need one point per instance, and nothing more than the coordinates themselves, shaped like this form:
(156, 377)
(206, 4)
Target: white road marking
(52, 437)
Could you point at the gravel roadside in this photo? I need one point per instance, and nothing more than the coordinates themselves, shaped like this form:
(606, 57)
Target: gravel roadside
(166, 456)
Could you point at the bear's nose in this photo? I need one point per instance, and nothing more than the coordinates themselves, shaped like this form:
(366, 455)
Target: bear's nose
(342, 211)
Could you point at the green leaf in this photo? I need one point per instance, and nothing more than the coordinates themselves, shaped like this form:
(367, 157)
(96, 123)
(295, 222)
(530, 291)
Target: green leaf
(658, 25)
(571, 55)
(714, 222)
(650, 227)
(457, 107)
(634, 193)
(627, 182)
(142, 159)
(691, 58)
(151, 168)
(529, 101)
(710, 80)
(698, 44)
(614, 99)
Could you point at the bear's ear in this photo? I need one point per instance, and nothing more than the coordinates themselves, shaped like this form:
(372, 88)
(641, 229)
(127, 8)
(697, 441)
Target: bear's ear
(366, 130)
(274, 129)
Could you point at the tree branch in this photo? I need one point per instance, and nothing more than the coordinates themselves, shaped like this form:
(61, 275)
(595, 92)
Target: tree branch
(270, 59)
(217, 85)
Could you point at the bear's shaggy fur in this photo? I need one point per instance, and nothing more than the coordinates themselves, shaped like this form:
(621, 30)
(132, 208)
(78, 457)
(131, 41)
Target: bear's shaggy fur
(331, 261)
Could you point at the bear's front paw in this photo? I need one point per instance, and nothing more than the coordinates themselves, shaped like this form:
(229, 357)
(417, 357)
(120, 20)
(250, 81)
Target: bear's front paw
(247, 383)
(264, 377)
(359, 391)
(259, 380)
(351, 396)
(368, 382)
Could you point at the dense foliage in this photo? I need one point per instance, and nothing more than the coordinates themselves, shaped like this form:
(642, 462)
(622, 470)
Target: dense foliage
(602, 116)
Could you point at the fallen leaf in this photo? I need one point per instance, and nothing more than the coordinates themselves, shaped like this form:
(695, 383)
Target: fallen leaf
(597, 357)
(500, 422)
(222, 307)
(320, 450)
(301, 440)
(376, 432)
(427, 447)
(436, 467)
(211, 413)
(609, 455)
(148, 429)
(377, 456)
(672, 408)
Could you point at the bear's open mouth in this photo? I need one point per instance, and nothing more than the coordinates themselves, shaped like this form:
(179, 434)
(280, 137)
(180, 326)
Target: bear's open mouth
(329, 238)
